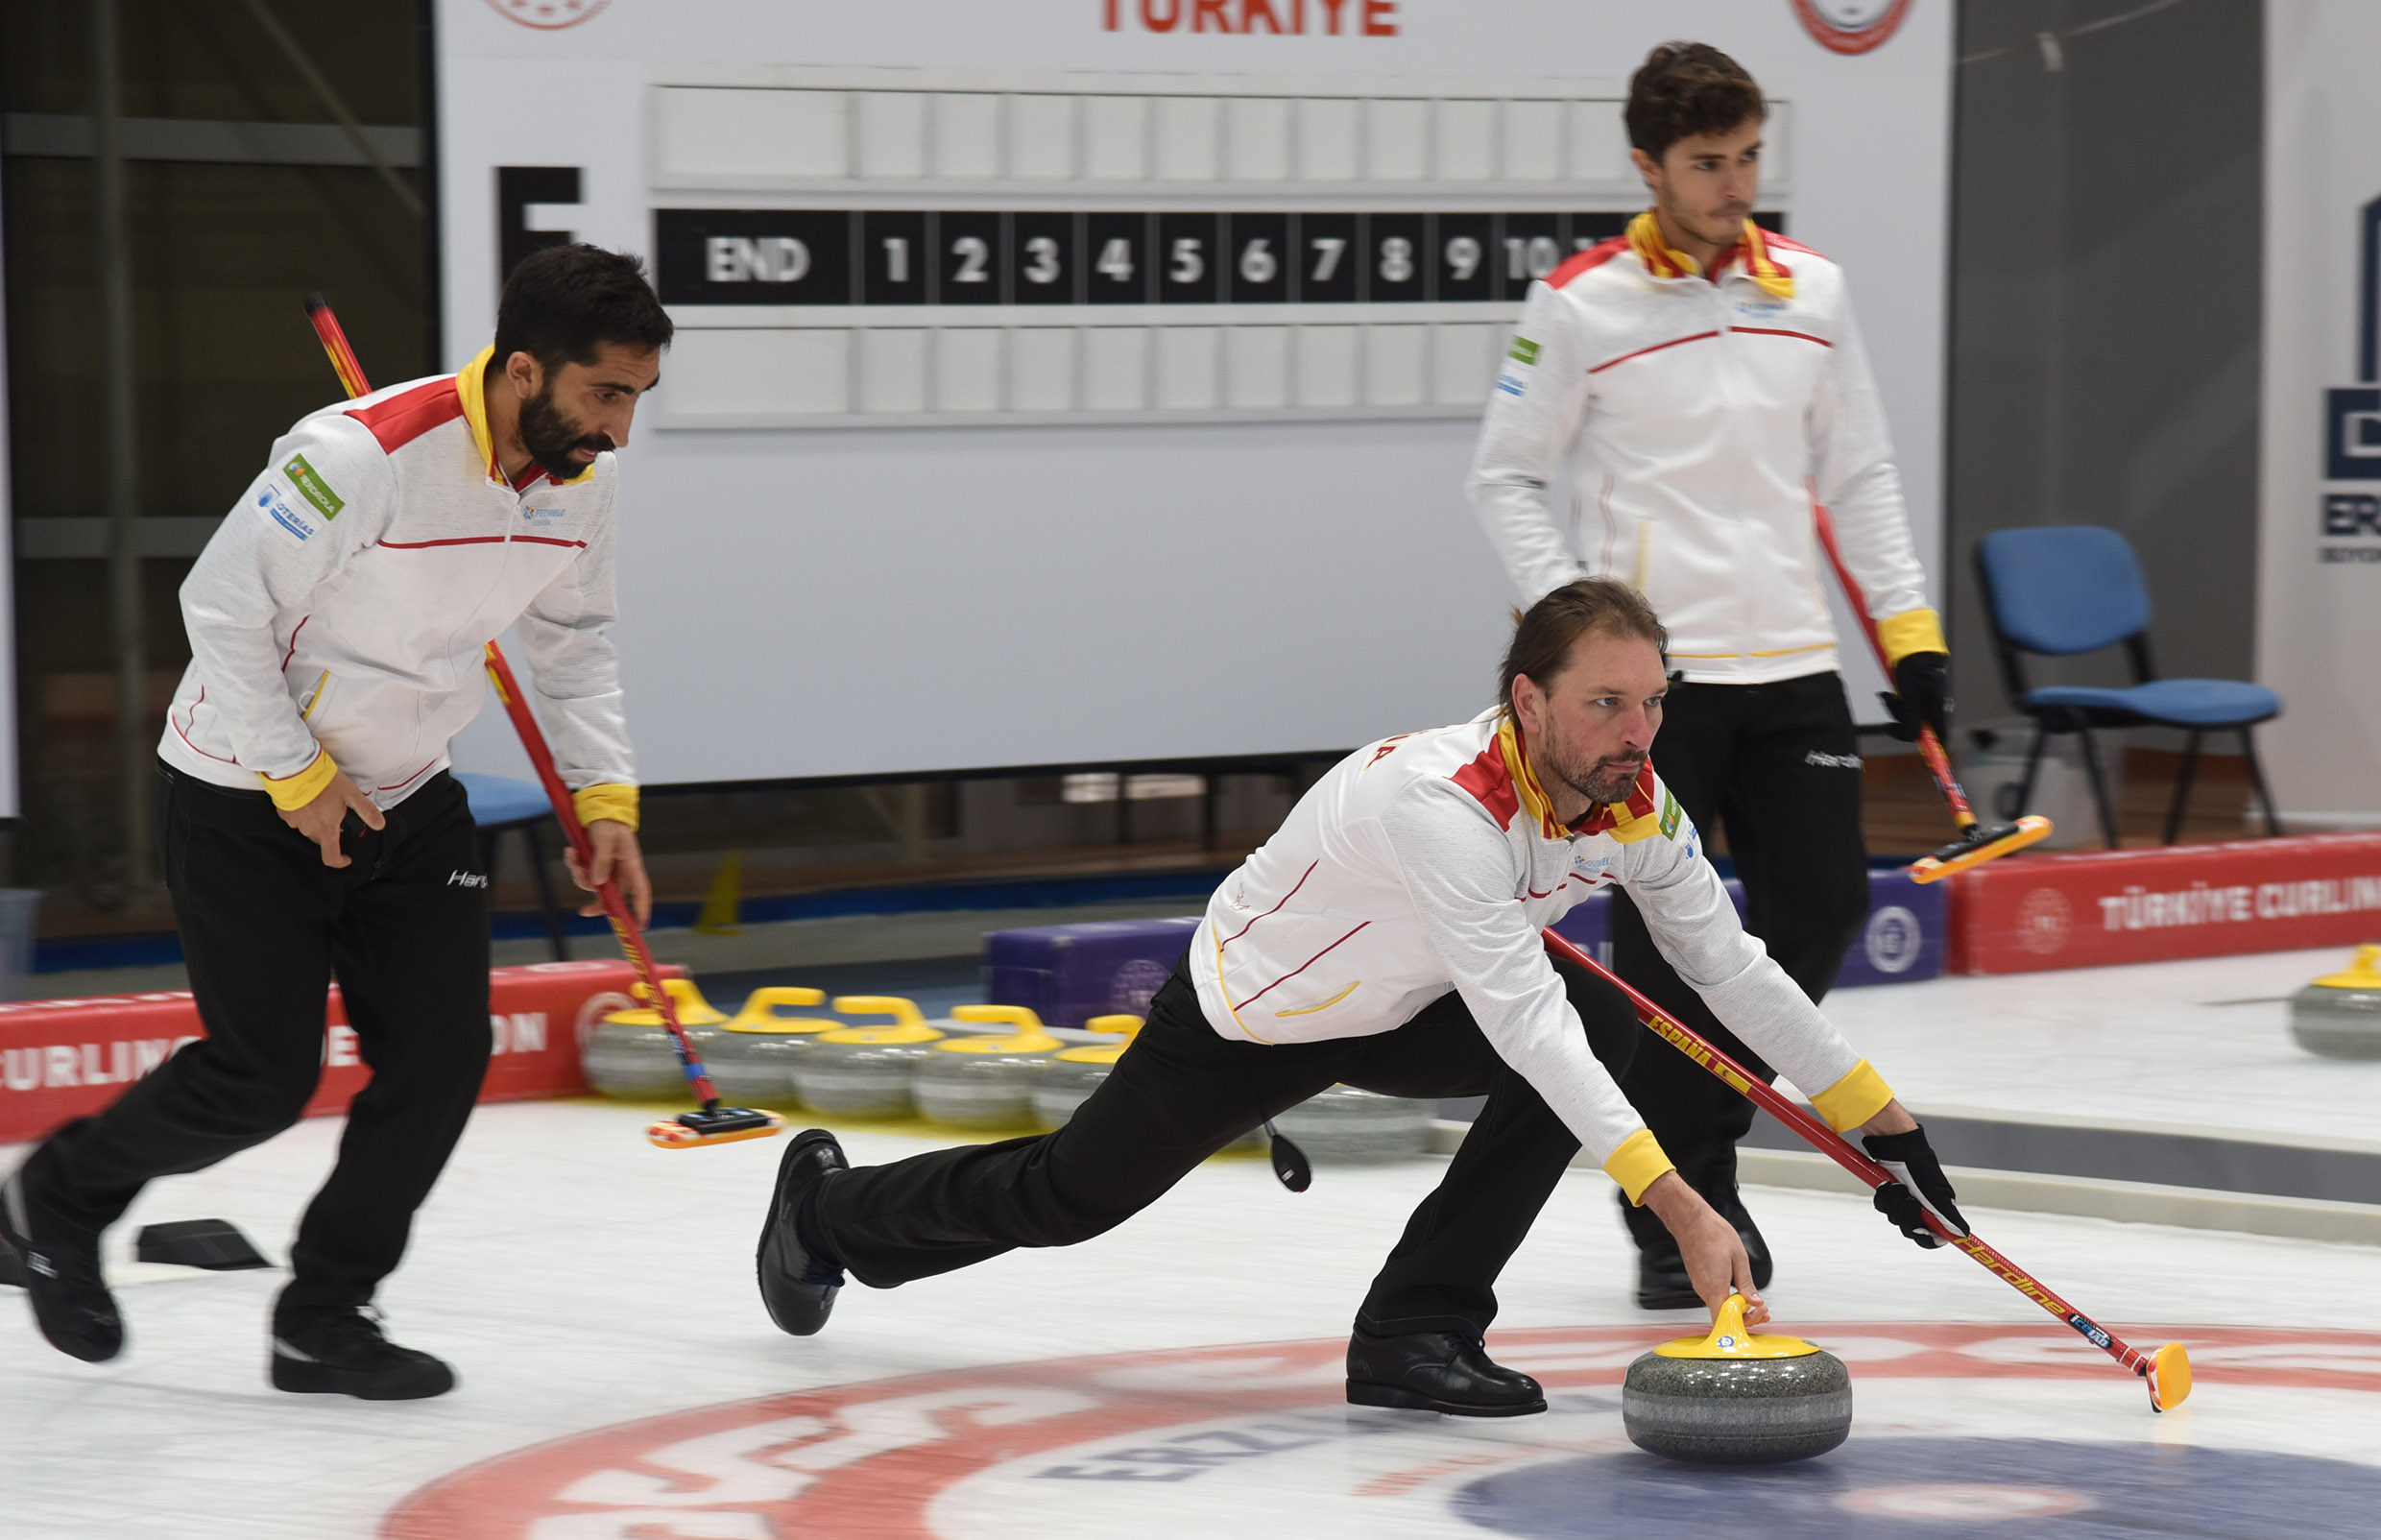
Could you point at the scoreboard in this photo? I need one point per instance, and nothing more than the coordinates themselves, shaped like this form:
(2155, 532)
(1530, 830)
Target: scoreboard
(1067, 384)
(1115, 247)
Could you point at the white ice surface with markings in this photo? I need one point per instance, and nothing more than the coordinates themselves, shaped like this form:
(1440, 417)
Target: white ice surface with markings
(2204, 1044)
(578, 1278)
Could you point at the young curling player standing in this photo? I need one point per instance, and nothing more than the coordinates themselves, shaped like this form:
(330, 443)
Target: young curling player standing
(1388, 937)
(309, 827)
(1707, 383)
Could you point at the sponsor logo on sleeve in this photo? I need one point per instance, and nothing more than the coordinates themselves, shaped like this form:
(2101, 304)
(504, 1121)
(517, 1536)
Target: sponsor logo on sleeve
(313, 487)
(1524, 351)
(1512, 385)
(1671, 813)
(277, 509)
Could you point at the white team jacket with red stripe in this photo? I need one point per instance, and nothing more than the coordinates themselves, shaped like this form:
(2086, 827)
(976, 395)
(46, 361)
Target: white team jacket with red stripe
(343, 604)
(1699, 417)
(1428, 862)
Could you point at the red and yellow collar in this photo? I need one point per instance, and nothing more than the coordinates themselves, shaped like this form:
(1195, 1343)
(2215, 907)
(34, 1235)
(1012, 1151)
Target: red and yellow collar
(1629, 820)
(1666, 261)
(471, 389)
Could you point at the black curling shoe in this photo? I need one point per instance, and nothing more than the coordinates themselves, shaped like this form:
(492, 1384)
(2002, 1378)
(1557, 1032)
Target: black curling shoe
(347, 1352)
(60, 1267)
(797, 1283)
(1436, 1371)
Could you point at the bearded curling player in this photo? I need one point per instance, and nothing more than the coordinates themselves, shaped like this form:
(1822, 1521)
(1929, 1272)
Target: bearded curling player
(308, 821)
(1388, 937)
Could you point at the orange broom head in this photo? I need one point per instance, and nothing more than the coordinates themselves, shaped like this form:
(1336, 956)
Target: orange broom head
(721, 1125)
(2169, 1376)
(1981, 843)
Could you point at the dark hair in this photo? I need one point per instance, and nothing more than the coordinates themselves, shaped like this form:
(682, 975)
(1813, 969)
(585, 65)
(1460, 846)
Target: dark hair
(562, 303)
(1685, 90)
(1542, 638)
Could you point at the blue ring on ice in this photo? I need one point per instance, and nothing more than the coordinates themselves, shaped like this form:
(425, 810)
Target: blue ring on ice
(1900, 1489)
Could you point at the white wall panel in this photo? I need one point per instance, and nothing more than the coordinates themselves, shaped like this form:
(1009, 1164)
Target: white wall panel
(893, 369)
(1393, 365)
(967, 369)
(966, 136)
(1463, 362)
(1331, 138)
(1467, 141)
(1532, 141)
(892, 133)
(1257, 367)
(1189, 137)
(1257, 138)
(732, 135)
(1042, 368)
(1041, 137)
(1187, 368)
(1397, 139)
(1116, 138)
(1327, 365)
(1116, 369)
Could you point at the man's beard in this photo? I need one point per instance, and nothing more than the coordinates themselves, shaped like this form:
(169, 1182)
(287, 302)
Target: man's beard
(1604, 780)
(549, 437)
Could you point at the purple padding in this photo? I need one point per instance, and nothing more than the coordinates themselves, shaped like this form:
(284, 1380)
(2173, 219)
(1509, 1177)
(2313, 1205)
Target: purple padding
(1905, 939)
(1067, 975)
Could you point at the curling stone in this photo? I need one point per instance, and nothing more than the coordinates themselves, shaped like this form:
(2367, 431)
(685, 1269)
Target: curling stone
(750, 1060)
(1737, 1398)
(977, 1080)
(1067, 1078)
(630, 1053)
(1344, 1126)
(2339, 1014)
(863, 1071)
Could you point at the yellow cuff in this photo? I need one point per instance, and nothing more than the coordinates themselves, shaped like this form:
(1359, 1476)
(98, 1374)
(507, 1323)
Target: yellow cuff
(1854, 1100)
(1638, 1164)
(1910, 631)
(289, 793)
(610, 799)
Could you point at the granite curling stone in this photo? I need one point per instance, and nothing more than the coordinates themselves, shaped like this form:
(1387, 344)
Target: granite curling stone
(863, 1071)
(1344, 1126)
(978, 1080)
(1066, 1079)
(630, 1053)
(751, 1059)
(2339, 1014)
(1737, 1398)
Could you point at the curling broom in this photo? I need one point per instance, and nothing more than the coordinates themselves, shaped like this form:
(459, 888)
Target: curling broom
(710, 1123)
(2167, 1371)
(1978, 842)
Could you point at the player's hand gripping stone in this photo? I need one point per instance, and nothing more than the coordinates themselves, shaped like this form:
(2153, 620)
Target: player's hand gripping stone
(1919, 1188)
(1710, 1246)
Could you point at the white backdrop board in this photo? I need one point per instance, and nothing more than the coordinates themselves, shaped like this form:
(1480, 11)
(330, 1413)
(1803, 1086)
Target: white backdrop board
(1093, 380)
(2319, 571)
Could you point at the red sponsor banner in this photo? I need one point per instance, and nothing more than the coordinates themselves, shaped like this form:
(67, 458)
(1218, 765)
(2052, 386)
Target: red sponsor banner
(2089, 910)
(61, 1059)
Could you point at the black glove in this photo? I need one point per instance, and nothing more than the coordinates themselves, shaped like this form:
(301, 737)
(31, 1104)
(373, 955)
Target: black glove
(1922, 686)
(1917, 1180)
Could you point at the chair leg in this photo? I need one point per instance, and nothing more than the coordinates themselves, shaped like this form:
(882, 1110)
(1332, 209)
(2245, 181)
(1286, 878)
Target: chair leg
(555, 935)
(2256, 782)
(2099, 787)
(2033, 769)
(2182, 786)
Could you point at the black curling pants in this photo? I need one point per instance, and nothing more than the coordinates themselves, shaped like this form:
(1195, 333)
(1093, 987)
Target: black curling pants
(264, 926)
(1183, 1092)
(1778, 767)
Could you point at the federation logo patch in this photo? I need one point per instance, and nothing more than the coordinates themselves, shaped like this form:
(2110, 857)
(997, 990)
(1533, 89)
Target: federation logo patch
(1958, 1425)
(277, 509)
(313, 487)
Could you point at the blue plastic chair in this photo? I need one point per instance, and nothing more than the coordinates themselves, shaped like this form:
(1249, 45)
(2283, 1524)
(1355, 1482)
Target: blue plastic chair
(499, 804)
(2077, 589)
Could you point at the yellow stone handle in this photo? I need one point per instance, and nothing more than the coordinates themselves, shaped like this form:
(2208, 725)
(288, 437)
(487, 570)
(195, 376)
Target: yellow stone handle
(1128, 1025)
(759, 1012)
(693, 1010)
(1030, 1037)
(907, 1025)
(904, 1012)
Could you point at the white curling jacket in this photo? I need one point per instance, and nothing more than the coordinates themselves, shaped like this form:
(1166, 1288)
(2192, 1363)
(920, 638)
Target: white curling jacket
(337, 617)
(1430, 862)
(1701, 419)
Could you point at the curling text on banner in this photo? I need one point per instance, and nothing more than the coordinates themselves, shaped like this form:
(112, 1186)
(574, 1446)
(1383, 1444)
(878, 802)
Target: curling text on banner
(2103, 907)
(61, 1059)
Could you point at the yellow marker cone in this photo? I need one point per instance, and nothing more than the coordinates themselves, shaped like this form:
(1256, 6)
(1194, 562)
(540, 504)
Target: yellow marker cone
(722, 907)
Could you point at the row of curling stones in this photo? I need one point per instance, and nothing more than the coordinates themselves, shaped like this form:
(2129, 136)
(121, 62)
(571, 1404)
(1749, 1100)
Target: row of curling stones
(1737, 1397)
(2339, 1014)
